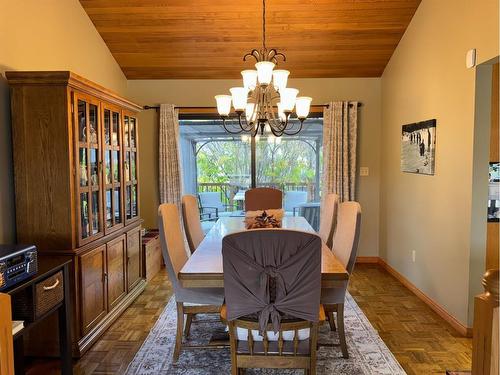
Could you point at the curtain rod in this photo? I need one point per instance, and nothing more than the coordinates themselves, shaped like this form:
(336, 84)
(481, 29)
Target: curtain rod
(205, 108)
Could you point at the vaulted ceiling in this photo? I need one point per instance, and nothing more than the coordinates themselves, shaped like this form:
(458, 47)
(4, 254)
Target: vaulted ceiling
(166, 39)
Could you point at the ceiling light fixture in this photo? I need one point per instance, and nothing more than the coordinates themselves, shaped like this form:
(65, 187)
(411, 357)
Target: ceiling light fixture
(264, 98)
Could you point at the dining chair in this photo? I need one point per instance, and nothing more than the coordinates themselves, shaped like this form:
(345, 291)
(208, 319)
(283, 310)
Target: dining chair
(344, 246)
(189, 301)
(293, 200)
(192, 223)
(263, 198)
(328, 218)
(211, 203)
(272, 285)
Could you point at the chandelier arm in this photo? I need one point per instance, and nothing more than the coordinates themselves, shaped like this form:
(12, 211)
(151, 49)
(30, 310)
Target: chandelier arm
(296, 132)
(244, 127)
(230, 131)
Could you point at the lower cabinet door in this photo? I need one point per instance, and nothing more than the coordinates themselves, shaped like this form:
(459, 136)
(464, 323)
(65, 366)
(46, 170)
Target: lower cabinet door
(116, 271)
(134, 265)
(93, 288)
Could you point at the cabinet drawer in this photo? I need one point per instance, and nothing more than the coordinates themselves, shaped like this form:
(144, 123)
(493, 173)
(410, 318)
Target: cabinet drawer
(49, 293)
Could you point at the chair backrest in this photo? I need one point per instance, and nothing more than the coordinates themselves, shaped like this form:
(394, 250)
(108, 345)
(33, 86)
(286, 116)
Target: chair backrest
(328, 218)
(346, 237)
(192, 223)
(211, 199)
(263, 198)
(255, 259)
(172, 241)
(293, 199)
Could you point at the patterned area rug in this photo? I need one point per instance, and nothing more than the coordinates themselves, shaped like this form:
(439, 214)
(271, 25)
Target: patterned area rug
(368, 353)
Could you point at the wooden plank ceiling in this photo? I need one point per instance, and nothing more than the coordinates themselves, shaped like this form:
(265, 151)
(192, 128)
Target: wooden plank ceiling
(155, 39)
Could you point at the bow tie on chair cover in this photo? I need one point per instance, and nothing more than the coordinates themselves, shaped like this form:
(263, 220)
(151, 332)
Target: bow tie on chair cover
(291, 258)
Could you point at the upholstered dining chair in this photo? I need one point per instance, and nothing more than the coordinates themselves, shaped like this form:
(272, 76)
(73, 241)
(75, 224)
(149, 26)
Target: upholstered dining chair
(344, 246)
(272, 285)
(263, 198)
(190, 301)
(192, 223)
(328, 218)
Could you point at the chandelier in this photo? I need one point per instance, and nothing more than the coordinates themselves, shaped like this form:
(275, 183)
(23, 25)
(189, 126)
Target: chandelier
(264, 102)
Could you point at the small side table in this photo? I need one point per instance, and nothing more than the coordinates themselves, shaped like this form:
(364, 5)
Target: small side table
(36, 298)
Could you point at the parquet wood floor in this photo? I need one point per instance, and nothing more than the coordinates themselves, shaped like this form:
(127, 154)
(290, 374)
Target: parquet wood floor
(421, 341)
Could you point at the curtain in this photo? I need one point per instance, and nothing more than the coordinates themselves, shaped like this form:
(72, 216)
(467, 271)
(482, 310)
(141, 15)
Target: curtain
(169, 164)
(340, 124)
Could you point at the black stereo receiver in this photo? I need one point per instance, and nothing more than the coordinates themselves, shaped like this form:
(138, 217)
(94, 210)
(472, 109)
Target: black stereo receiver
(17, 263)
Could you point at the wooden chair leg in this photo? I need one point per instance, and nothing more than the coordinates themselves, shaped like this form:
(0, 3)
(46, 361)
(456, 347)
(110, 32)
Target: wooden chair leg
(189, 320)
(340, 322)
(180, 328)
(331, 321)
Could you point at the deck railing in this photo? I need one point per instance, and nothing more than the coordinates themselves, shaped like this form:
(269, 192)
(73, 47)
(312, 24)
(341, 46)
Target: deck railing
(228, 190)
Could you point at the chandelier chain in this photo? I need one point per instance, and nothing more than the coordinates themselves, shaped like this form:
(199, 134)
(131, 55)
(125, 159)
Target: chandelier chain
(264, 24)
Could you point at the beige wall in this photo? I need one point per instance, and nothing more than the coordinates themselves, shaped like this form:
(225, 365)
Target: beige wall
(201, 93)
(45, 35)
(426, 78)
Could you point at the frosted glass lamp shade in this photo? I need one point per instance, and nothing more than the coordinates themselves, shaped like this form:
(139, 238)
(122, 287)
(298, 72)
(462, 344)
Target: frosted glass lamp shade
(250, 112)
(223, 104)
(302, 106)
(264, 72)
(287, 98)
(239, 95)
(249, 79)
(280, 77)
(281, 114)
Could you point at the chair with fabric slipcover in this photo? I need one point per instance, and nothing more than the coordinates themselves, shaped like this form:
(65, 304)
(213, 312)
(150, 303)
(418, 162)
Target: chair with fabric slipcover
(190, 301)
(328, 218)
(263, 198)
(192, 223)
(344, 246)
(272, 285)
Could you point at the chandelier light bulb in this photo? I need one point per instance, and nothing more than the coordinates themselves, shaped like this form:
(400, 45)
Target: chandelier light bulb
(249, 79)
(239, 95)
(302, 106)
(271, 139)
(278, 140)
(287, 98)
(280, 78)
(223, 104)
(264, 72)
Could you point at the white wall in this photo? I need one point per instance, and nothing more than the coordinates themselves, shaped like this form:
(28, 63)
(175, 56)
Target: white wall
(426, 78)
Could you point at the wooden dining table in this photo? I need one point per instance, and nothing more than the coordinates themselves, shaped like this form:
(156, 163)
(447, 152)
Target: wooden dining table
(204, 267)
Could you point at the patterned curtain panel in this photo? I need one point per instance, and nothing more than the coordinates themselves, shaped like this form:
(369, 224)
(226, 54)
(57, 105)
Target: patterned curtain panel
(340, 126)
(169, 163)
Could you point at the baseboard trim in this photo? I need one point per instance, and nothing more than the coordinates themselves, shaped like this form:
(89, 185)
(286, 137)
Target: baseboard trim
(438, 309)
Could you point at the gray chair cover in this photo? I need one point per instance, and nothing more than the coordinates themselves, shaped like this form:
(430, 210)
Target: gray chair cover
(290, 260)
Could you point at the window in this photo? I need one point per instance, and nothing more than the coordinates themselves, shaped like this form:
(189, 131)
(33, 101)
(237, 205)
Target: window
(216, 161)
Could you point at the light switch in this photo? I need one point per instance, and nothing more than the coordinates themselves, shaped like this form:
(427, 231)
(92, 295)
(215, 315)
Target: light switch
(364, 171)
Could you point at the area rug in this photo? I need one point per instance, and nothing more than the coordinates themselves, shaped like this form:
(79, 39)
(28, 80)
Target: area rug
(368, 353)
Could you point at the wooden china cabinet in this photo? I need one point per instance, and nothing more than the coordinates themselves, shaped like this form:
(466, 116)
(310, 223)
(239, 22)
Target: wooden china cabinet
(75, 149)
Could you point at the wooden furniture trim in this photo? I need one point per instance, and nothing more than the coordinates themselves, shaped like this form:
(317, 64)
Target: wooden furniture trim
(438, 309)
(73, 80)
(89, 189)
(485, 341)
(84, 330)
(6, 339)
(123, 240)
(110, 148)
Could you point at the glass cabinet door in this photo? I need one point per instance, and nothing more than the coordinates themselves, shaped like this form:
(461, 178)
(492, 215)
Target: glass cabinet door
(130, 167)
(113, 181)
(88, 165)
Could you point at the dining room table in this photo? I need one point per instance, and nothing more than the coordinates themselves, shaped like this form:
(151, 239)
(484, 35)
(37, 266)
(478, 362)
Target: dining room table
(204, 267)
